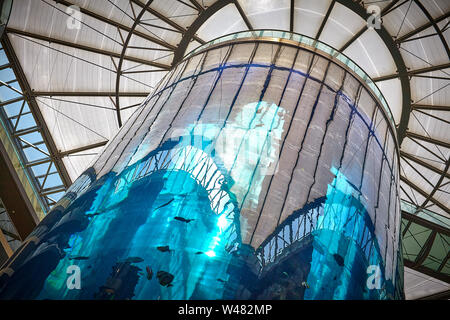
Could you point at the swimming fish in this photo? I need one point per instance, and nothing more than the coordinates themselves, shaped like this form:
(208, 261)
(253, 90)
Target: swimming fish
(199, 252)
(165, 278)
(149, 273)
(164, 249)
(165, 204)
(305, 284)
(134, 259)
(183, 219)
(286, 274)
(339, 259)
(220, 280)
(78, 258)
(90, 215)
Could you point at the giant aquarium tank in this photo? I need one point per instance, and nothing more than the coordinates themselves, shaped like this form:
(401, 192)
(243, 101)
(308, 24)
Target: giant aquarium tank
(263, 166)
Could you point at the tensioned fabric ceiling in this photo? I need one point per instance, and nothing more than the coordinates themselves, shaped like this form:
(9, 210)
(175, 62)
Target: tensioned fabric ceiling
(88, 72)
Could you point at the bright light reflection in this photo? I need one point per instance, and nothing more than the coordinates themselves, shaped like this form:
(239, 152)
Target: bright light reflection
(210, 254)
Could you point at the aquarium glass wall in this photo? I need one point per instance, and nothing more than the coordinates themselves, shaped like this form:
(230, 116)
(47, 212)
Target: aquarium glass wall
(257, 169)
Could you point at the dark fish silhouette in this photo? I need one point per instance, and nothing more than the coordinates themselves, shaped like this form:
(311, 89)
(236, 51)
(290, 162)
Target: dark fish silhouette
(220, 280)
(183, 219)
(339, 259)
(90, 215)
(199, 252)
(134, 259)
(149, 273)
(165, 278)
(164, 249)
(79, 258)
(165, 204)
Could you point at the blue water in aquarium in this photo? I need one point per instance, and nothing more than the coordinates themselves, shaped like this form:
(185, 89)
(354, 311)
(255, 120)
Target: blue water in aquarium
(168, 227)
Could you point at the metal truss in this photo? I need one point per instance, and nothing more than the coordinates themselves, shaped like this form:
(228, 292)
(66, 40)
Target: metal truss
(426, 246)
(52, 177)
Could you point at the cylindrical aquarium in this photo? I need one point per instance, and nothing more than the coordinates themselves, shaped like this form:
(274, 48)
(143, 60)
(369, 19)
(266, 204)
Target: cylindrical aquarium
(263, 166)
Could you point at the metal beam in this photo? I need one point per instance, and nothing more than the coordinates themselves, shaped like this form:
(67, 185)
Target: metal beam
(81, 149)
(190, 33)
(436, 187)
(425, 223)
(87, 48)
(353, 39)
(364, 29)
(424, 194)
(414, 72)
(291, 16)
(424, 164)
(243, 15)
(14, 197)
(122, 57)
(197, 5)
(428, 139)
(435, 26)
(444, 295)
(166, 20)
(10, 234)
(427, 271)
(426, 248)
(398, 60)
(32, 104)
(325, 19)
(86, 94)
(119, 25)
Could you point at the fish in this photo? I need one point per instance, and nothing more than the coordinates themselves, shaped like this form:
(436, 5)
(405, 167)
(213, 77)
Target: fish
(165, 278)
(149, 273)
(78, 258)
(165, 204)
(259, 125)
(286, 274)
(183, 219)
(199, 252)
(164, 249)
(221, 280)
(305, 284)
(90, 215)
(339, 259)
(134, 259)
